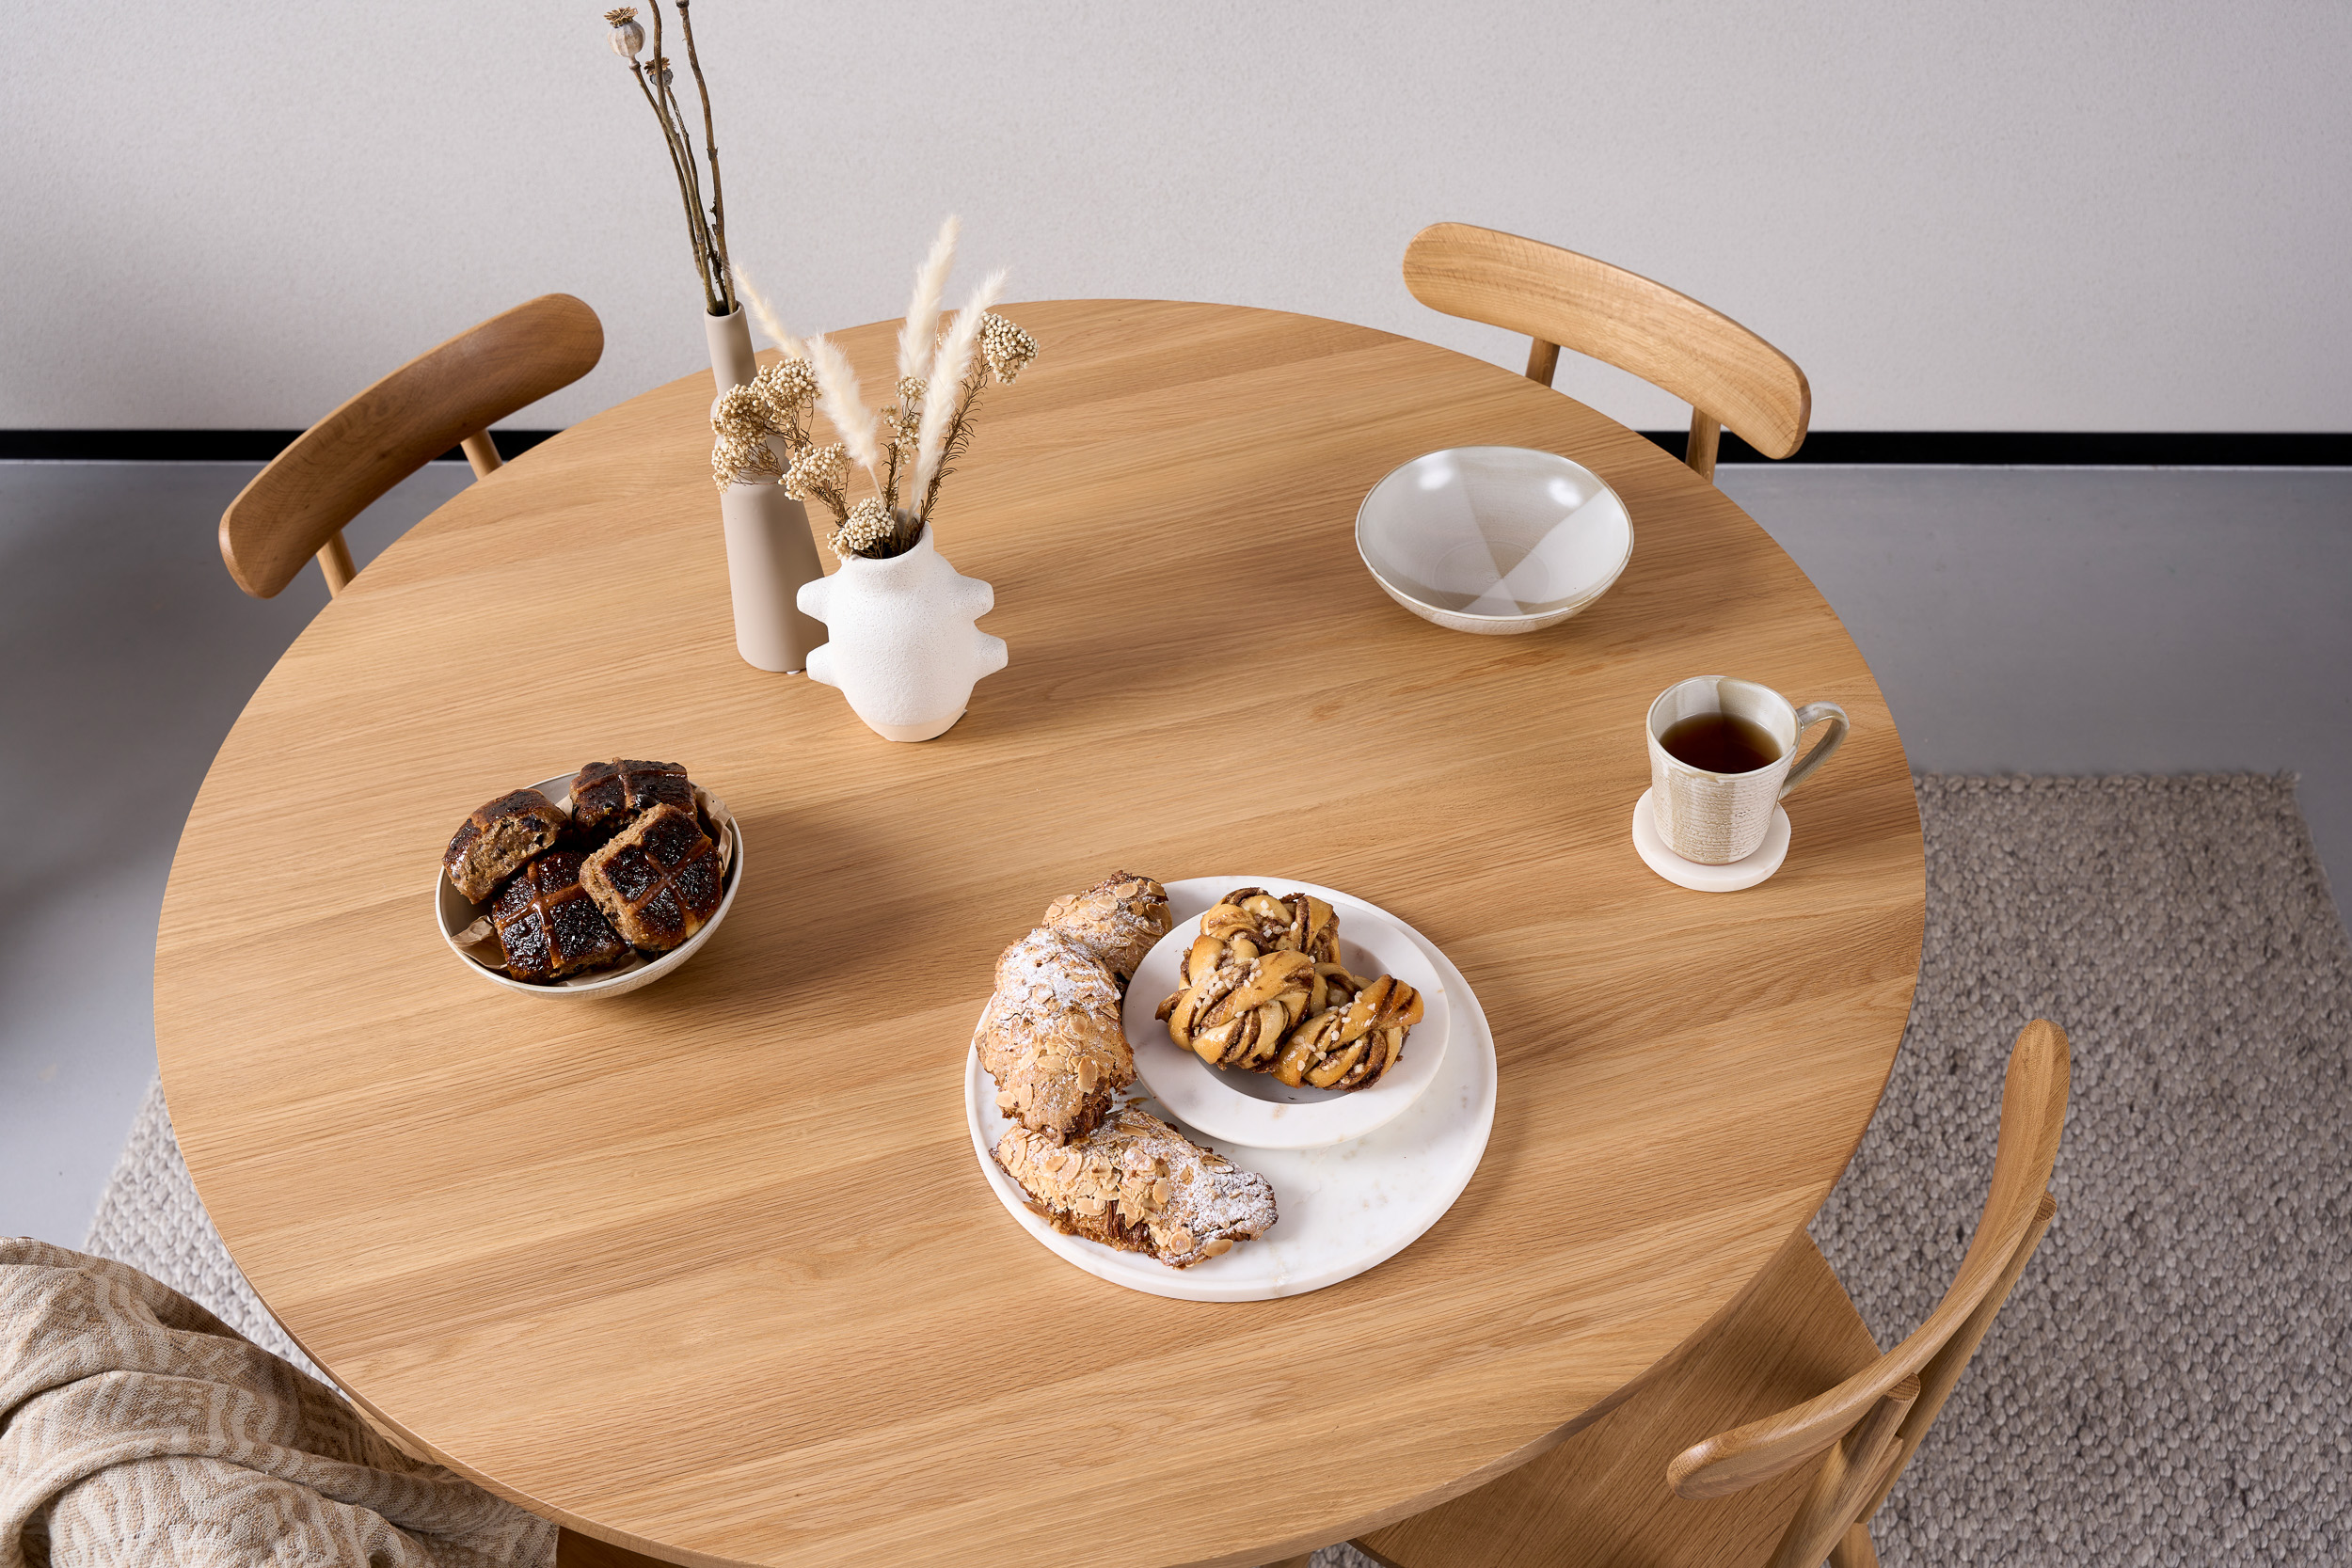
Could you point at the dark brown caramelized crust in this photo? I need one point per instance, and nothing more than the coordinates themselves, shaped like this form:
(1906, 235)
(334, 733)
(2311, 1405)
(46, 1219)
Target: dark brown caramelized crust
(495, 841)
(548, 926)
(609, 795)
(658, 881)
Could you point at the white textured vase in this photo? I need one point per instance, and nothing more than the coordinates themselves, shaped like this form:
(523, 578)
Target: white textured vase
(771, 552)
(900, 644)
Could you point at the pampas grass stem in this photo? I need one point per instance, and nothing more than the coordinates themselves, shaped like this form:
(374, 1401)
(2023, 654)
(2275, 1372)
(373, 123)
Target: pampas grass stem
(919, 337)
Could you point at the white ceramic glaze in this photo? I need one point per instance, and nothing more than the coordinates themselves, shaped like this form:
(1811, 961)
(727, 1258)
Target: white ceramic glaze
(1716, 819)
(901, 644)
(1494, 540)
(1258, 1109)
(1700, 878)
(1342, 1209)
(456, 911)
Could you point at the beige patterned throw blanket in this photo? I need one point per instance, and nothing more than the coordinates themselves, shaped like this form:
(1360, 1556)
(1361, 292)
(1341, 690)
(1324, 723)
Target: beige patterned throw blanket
(138, 1430)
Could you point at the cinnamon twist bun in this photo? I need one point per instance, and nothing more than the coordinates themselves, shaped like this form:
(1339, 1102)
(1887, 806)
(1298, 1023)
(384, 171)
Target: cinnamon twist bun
(1354, 1037)
(1238, 1013)
(1249, 921)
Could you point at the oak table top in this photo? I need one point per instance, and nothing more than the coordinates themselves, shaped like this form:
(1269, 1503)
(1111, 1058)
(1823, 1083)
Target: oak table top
(708, 1268)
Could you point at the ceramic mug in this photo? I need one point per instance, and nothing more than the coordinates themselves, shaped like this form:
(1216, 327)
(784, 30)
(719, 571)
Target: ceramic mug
(1716, 819)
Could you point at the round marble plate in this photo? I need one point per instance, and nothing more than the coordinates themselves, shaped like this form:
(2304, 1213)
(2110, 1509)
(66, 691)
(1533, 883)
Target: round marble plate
(1257, 1109)
(1700, 878)
(1343, 1209)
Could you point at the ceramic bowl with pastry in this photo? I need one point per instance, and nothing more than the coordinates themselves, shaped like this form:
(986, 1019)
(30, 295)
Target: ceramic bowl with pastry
(590, 883)
(1277, 1014)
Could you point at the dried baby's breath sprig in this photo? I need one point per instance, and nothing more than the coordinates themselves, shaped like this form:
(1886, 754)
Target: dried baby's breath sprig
(785, 388)
(1005, 346)
(866, 531)
(817, 474)
(741, 457)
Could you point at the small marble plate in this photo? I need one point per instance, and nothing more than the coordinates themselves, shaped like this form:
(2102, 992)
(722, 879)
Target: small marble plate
(1257, 1109)
(1343, 1209)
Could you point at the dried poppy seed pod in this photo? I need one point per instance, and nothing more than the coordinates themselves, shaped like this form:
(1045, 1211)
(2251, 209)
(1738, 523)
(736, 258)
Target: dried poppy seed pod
(628, 37)
(657, 70)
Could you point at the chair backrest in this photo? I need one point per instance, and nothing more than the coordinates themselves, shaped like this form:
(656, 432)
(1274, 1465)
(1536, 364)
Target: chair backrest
(296, 507)
(1728, 375)
(1872, 1423)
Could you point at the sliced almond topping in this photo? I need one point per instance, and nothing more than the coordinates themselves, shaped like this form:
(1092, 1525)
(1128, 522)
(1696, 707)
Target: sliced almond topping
(1218, 1247)
(1180, 1240)
(1004, 1099)
(1160, 1190)
(1089, 1074)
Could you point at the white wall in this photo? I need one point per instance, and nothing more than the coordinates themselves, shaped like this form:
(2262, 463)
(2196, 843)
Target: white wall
(2022, 216)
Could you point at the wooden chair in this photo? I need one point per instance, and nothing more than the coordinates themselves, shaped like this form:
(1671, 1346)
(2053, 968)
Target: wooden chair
(1726, 374)
(1812, 1423)
(449, 397)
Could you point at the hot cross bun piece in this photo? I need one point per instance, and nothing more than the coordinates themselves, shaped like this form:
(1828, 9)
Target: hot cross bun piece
(1117, 920)
(495, 842)
(658, 880)
(1138, 1184)
(1353, 1035)
(609, 795)
(1051, 1037)
(549, 926)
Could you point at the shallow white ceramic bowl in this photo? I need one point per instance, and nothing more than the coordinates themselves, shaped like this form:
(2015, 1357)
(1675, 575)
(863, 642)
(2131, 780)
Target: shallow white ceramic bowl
(1494, 540)
(456, 912)
(1257, 1109)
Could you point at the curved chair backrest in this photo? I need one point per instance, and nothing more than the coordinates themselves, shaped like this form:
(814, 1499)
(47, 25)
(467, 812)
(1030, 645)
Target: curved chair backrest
(296, 507)
(1873, 1421)
(1729, 377)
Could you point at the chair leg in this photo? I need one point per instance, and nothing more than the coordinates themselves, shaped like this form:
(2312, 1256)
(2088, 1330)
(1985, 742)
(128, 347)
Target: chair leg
(1853, 1551)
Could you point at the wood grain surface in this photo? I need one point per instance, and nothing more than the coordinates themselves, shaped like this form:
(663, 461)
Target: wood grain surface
(707, 1270)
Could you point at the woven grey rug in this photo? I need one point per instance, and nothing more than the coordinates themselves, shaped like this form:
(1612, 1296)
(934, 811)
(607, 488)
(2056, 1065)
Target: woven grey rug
(2169, 1383)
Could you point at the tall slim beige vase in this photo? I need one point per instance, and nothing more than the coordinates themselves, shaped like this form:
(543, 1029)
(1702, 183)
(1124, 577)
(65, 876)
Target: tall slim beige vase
(769, 550)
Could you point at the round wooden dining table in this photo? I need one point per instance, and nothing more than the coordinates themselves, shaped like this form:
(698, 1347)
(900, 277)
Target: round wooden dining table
(708, 1271)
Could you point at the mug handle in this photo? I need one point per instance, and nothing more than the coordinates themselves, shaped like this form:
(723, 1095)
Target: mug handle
(1808, 716)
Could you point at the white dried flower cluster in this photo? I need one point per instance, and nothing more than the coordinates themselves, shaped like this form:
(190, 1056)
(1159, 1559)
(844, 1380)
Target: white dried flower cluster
(911, 390)
(868, 526)
(787, 387)
(739, 454)
(1005, 346)
(817, 471)
(741, 459)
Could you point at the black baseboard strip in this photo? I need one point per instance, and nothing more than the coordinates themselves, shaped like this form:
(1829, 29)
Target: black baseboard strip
(2051, 449)
(1960, 448)
(193, 446)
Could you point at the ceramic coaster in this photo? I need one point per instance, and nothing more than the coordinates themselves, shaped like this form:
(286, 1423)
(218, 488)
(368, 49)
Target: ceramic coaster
(1709, 878)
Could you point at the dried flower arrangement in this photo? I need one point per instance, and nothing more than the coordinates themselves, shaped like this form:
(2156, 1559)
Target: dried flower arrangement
(707, 227)
(905, 449)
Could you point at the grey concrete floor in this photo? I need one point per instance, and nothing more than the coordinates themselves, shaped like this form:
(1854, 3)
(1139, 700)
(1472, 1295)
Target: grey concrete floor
(2048, 621)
